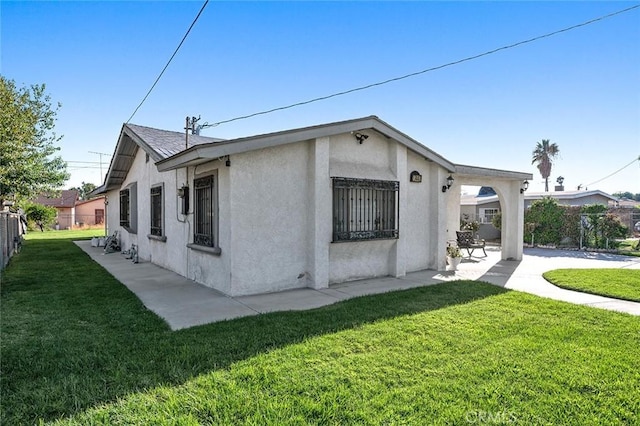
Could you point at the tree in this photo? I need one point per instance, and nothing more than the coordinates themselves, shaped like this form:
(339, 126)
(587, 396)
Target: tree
(40, 215)
(28, 143)
(84, 190)
(628, 195)
(544, 154)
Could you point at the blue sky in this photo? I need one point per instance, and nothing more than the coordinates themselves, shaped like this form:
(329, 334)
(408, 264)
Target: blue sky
(580, 89)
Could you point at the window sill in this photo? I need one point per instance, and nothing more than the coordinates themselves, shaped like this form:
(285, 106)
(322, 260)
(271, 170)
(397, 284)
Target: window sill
(211, 250)
(162, 238)
(349, 237)
(364, 240)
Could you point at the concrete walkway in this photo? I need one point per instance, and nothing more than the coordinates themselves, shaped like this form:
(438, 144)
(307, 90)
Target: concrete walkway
(183, 303)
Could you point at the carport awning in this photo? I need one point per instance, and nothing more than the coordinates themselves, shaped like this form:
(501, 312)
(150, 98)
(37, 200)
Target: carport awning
(483, 172)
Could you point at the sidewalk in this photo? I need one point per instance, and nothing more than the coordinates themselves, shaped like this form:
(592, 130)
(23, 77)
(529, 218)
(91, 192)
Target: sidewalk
(183, 303)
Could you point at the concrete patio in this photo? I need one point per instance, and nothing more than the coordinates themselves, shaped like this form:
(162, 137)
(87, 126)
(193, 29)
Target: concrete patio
(183, 303)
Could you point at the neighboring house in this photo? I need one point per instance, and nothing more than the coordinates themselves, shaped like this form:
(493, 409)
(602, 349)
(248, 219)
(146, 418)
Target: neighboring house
(481, 208)
(299, 208)
(65, 206)
(484, 207)
(572, 198)
(90, 212)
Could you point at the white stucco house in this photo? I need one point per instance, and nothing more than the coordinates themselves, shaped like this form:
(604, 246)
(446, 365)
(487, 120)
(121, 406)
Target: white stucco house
(305, 207)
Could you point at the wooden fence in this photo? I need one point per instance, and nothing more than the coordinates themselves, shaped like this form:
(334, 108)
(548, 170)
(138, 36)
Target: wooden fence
(11, 230)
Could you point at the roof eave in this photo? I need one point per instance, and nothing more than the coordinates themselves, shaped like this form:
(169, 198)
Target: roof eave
(207, 152)
(474, 171)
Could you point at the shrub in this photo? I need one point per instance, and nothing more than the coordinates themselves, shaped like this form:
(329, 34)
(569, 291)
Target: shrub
(39, 215)
(546, 218)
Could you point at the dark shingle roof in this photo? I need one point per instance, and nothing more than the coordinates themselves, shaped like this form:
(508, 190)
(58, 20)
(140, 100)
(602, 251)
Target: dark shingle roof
(158, 144)
(67, 198)
(166, 143)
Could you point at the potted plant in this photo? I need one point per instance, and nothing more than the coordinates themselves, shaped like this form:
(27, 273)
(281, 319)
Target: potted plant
(471, 225)
(454, 257)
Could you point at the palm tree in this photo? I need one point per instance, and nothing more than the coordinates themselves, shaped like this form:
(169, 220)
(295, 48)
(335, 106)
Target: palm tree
(544, 154)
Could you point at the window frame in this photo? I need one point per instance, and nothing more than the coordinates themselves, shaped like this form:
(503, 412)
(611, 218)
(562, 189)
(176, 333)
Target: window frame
(487, 214)
(129, 209)
(205, 232)
(125, 207)
(157, 212)
(373, 216)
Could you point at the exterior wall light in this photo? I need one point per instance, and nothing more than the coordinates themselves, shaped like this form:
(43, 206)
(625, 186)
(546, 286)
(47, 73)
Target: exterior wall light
(524, 186)
(448, 185)
(361, 137)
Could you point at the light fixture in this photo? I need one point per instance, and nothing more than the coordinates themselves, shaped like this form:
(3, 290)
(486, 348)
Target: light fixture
(183, 191)
(226, 159)
(524, 186)
(448, 185)
(361, 137)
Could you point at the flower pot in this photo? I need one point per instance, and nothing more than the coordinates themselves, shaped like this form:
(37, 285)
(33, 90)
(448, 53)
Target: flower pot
(453, 263)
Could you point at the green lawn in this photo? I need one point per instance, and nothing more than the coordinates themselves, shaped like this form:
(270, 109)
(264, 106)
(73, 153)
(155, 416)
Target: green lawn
(79, 348)
(75, 234)
(617, 283)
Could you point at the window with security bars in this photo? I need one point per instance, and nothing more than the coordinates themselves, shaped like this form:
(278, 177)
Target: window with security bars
(204, 211)
(125, 211)
(364, 209)
(156, 211)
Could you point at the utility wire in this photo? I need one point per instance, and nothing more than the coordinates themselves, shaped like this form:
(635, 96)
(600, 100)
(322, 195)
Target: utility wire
(170, 59)
(617, 171)
(380, 83)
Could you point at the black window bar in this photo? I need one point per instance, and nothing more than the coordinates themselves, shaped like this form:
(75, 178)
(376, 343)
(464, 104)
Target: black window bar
(156, 211)
(204, 211)
(124, 208)
(364, 209)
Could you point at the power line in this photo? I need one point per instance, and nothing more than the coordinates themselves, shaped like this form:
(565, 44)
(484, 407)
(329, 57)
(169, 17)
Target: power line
(169, 61)
(83, 162)
(380, 83)
(616, 172)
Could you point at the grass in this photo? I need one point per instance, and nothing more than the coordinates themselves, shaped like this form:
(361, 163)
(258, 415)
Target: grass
(75, 234)
(616, 283)
(79, 348)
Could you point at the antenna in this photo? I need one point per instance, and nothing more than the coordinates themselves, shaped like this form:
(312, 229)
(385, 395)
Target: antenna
(100, 154)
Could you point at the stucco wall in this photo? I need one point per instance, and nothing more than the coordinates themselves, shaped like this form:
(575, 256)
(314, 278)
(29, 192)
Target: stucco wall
(65, 217)
(269, 211)
(169, 254)
(418, 215)
(86, 211)
(212, 270)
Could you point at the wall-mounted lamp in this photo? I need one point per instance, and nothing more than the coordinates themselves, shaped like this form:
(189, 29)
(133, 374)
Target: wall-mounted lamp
(448, 185)
(361, 137)
(226, 159)
(182, 191)
(524, 186)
